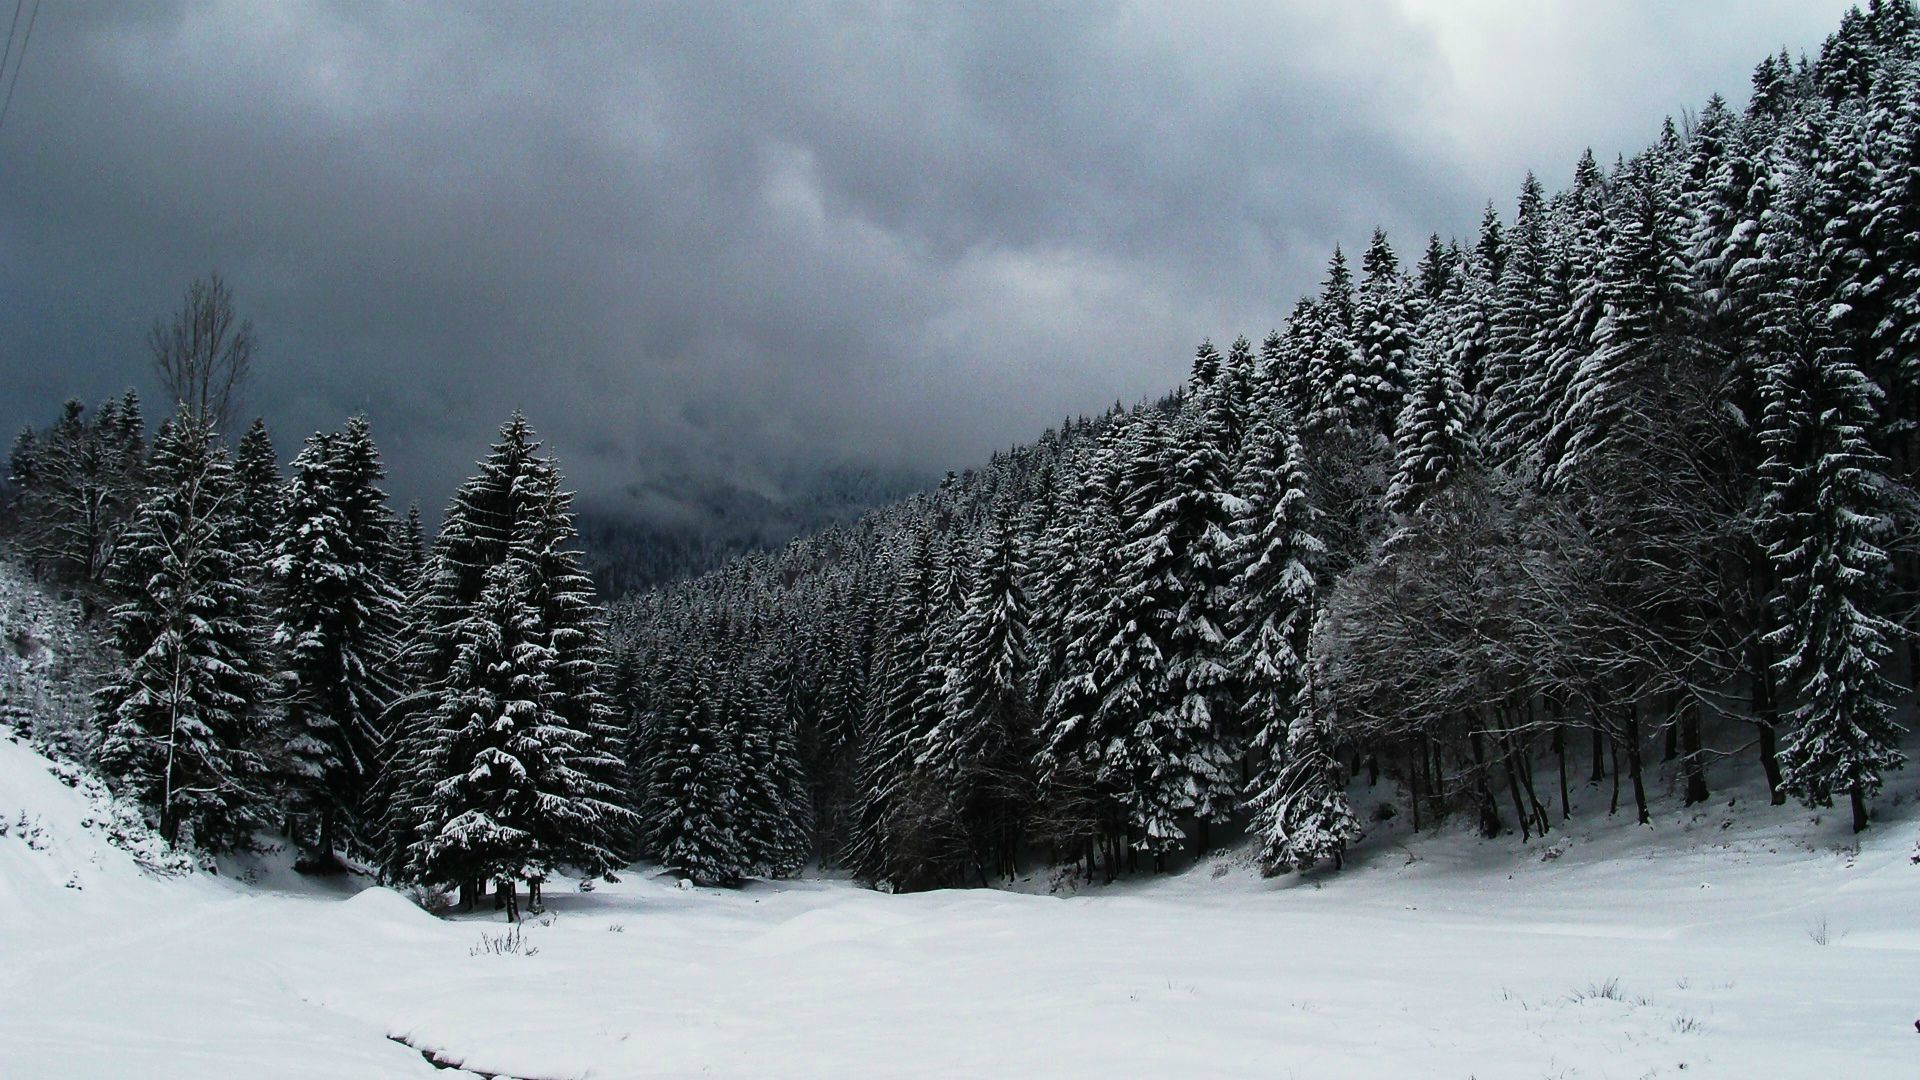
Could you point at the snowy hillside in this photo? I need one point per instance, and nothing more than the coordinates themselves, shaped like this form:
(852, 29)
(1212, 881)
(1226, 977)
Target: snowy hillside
(1743, 941)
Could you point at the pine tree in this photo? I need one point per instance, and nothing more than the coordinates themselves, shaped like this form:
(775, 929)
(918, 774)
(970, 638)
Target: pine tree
(983, 742)
(181, 719)
(1276, 551)
(1516, 403)
(1434, 444)
(514, 510)
(413, 545)
(83, 477)
(1383, 330)
(337, 619)
(1303, 817)
(903, 707)
(1342, 394)
(772, 796)
(689, 824)
(257, 469)
(1647, 336)
(498, 752)
(1823, 521)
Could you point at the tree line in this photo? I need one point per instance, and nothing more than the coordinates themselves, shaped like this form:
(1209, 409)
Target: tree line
(1628, 473)
(289, 655)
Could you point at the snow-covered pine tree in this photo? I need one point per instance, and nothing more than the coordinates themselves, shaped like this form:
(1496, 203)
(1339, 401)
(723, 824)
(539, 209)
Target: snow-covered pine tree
(180, 719)
(901, 707)
(82, 476)
(257, 469)
(772, 804)
(1302, 816)
(1173, 750)
(689, 821)
(1648, 335)
(1516, 406)
(1276, 550)
(513, 509)
(983, 743)
(337, 617)
(496, 744)
(1383, 331)
(1341, 394)
(1433, 442)
(1823, 519)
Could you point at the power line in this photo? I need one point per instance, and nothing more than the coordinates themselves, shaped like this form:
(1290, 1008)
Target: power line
(11, 27)
(32, 17)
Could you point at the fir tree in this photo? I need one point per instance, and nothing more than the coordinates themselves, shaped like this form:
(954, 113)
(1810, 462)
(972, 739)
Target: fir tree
(984, 739)
(257, 469)
(1823, 521)
(1383, 329)
(1276, 551)
(689, 823)
(1434, 442)
(337, 617)
(180, 720)
(514, 510)
(1303, 817)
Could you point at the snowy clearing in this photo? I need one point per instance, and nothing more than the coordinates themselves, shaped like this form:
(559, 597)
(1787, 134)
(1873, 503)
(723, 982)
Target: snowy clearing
(1700, 957)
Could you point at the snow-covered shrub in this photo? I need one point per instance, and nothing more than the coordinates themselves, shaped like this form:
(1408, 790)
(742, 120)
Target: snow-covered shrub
(431, 899)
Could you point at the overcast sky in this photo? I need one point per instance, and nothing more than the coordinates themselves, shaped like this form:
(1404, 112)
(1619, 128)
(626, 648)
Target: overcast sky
(755, 238)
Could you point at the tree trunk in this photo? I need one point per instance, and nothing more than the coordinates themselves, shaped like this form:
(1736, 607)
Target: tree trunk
(1414, 765)
(1599, 748)
(1513, 786)
(1694, 767)
(1489, 809)
(1436, 779)
(1770, 760)
(466, 896)
(1540, 816)
(1859, 809)
(1560, 753)
(534, 904)
(508, 899)
(1765, 713)
(1633, 765)
(1613, 752)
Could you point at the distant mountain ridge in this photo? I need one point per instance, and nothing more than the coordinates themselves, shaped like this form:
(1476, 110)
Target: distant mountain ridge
(678, 526)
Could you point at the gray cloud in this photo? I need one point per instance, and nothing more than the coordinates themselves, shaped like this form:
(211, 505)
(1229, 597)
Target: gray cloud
(752, 238)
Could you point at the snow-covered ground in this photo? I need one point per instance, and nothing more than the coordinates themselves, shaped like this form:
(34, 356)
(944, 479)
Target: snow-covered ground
(1764, 949)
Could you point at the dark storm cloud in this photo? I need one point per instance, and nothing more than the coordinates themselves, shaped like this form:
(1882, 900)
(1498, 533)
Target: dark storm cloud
(755, 238)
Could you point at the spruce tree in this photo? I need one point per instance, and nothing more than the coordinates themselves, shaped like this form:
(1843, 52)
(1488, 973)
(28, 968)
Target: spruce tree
(1823, 520)
(984, 740)
(1434, 443)
(513, 510)
(180, 719)
(496, 754)
(772, 801)
(1383, 331)
(689, 824)
(257, 469)
(1276, 551)
(1302, 816)
(337, 619)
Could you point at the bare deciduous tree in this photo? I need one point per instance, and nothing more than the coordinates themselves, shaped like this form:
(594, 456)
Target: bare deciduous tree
(204, 355)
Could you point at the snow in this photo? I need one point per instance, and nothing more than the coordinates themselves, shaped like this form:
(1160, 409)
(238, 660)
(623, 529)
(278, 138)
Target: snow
(1688, 950)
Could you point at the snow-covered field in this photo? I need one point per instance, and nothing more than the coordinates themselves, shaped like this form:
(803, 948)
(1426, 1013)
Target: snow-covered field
(1765, 949)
